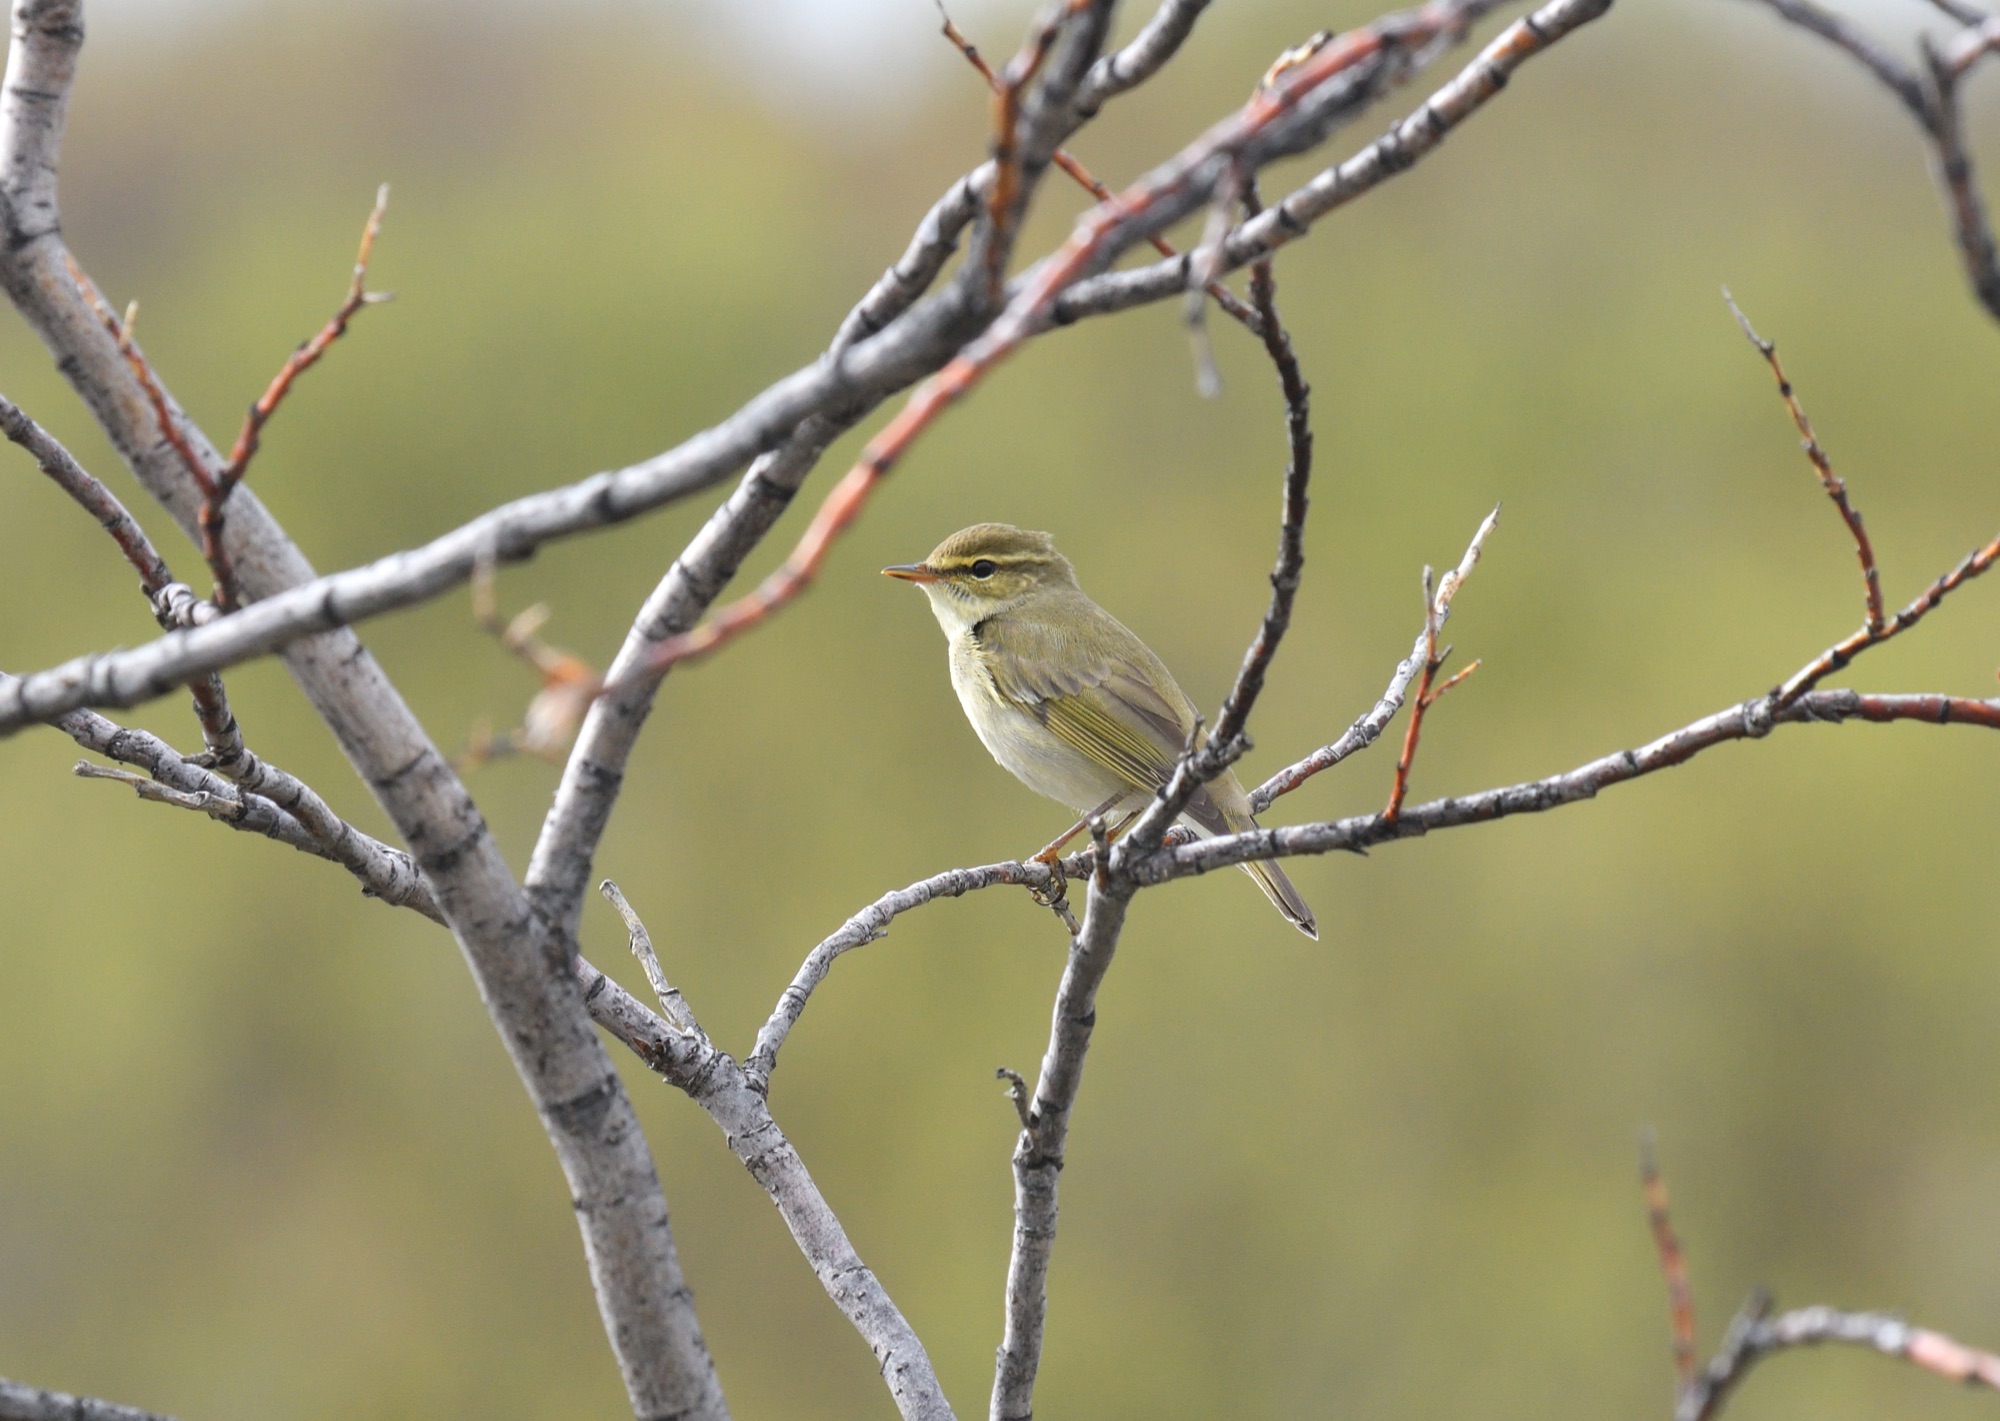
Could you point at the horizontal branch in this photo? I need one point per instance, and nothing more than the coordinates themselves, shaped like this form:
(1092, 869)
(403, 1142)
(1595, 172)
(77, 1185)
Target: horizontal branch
(1750, 720)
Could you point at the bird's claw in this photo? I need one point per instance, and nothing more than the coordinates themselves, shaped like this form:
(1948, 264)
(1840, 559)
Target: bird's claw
(1053, 894)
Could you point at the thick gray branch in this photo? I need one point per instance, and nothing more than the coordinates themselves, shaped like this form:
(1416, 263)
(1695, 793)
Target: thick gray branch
(522, 972)
(20, 1402)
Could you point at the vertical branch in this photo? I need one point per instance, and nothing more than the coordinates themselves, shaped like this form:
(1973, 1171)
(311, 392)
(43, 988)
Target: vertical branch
(1038, 1153)
(1673, 1263)
(1970, 226)
(1437, 606)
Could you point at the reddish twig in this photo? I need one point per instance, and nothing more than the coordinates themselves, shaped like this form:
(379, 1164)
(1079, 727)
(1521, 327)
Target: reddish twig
(215, 488)
(1228, 300)
(307, 355)
(569, 683)
(1835, 486)
(1673, 1264)
(1840, 653)
(1437, 605)
(1008, 89)
(212, 551)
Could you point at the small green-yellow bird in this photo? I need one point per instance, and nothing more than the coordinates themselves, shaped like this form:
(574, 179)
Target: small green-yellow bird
(1063, 695)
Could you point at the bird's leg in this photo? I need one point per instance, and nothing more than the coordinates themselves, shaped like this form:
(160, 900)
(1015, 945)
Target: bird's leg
(1052, 854)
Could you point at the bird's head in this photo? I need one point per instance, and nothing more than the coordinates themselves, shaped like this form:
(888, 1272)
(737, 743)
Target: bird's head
(986, 569)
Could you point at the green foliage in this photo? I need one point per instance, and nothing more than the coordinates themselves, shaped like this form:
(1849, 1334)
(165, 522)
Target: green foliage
(263, 1156)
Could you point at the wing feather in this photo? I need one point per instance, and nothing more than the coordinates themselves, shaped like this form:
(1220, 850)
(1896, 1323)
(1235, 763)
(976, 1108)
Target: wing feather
(1117, 705)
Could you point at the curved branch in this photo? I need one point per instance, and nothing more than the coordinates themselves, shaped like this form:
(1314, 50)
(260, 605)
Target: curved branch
(1754, 1335)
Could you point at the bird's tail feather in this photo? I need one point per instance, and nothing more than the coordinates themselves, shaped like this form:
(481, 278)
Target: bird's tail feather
(1278, 888)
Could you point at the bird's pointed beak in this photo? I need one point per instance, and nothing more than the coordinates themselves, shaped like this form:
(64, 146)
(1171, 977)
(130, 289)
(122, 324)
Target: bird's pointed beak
(912, 572)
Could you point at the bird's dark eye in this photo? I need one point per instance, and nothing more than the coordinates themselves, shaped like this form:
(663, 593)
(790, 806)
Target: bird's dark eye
(984, 568)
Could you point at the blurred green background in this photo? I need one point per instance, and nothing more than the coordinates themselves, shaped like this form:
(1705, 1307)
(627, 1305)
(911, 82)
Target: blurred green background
(262, 1154)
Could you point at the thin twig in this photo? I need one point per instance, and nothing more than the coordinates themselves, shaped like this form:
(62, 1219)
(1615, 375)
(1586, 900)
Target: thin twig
(1835, 486)
(1673, 1263)
(1017, 1092)
(250, 437)
(1397, 151)
(673, 1005)
(871, 924)
(1437, 606)
(1842, 652)
(384, 872)
(1228, 300)
(90, 495)
(1931, 96)
(1367, 728)
(1203, 761)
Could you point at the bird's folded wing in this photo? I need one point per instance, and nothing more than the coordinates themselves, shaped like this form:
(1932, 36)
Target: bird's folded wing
(1101, 706)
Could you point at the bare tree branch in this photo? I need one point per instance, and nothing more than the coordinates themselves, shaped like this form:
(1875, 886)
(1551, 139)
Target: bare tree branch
(867, 370)
(1931, 96)
(90, 495)
(1754, 1335)
(1407, 142)
(688, 1060)
(871, 924)
(522, 969)
(1038, 1153)
(1749, 720)
(384, 872)
(19, 1402)
(1836, 488)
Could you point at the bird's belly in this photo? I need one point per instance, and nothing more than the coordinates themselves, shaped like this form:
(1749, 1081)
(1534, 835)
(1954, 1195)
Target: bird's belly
(1022, 744)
